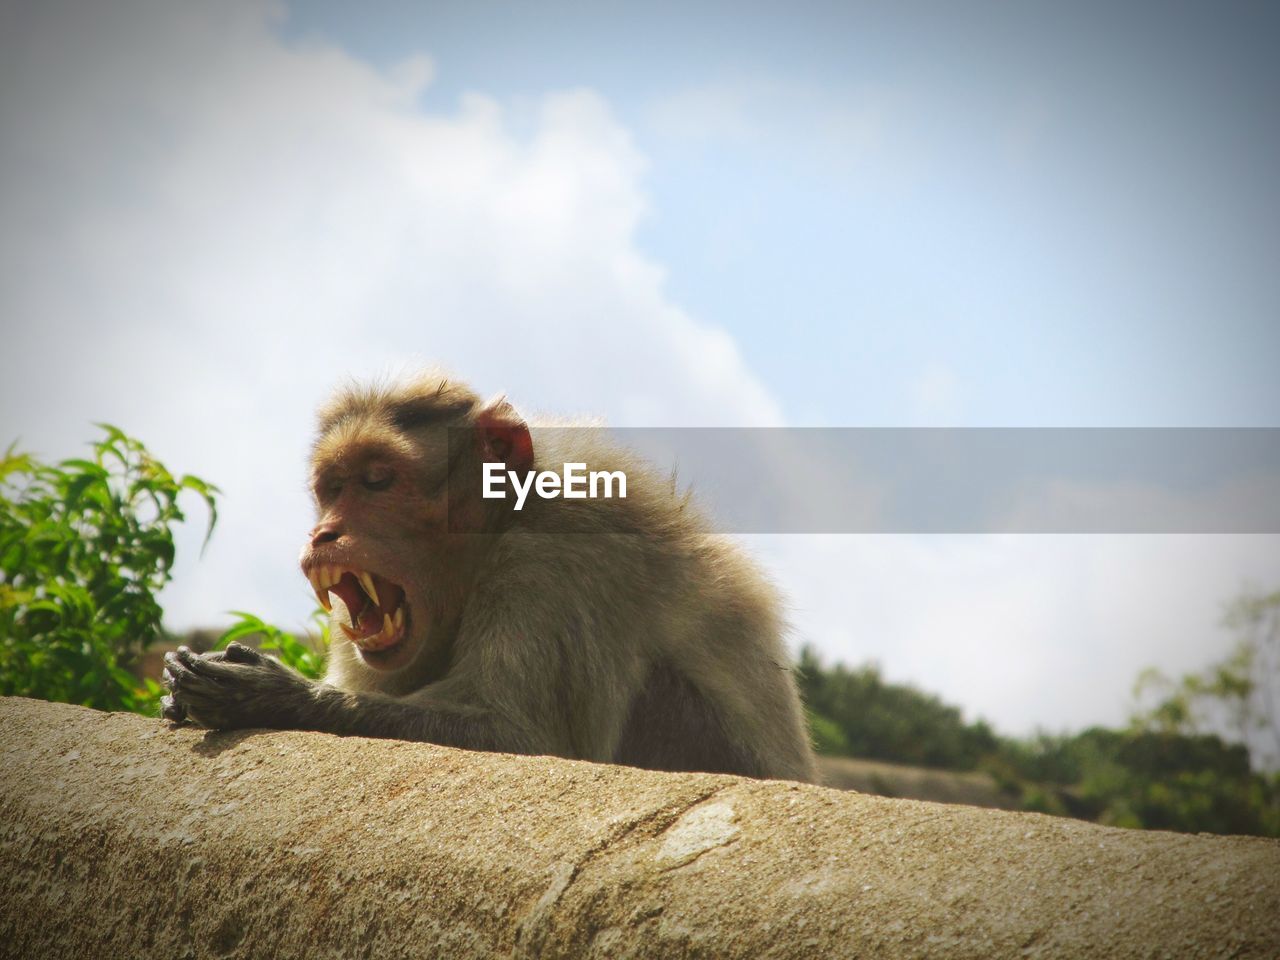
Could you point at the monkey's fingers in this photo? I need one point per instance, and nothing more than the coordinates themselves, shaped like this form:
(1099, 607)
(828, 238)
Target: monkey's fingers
(184, 667)
(170, 710)
(239, 653)
(169, 677)
(199, 688)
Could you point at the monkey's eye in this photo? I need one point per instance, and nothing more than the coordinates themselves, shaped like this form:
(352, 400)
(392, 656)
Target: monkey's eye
(377, 479)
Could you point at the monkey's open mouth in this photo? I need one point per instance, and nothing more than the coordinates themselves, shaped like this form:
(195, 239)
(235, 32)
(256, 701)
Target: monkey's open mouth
(375, 606)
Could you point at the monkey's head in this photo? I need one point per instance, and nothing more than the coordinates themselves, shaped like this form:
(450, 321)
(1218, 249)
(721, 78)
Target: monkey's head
(395, 474)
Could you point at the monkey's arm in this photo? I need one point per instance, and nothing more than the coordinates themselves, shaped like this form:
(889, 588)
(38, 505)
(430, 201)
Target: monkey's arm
(240, 688)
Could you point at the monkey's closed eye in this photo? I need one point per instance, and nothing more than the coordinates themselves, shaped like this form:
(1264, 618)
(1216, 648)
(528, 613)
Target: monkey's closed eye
(378, 480)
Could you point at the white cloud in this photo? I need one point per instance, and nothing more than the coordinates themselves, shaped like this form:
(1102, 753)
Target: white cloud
(206, 228)
(1026, 630)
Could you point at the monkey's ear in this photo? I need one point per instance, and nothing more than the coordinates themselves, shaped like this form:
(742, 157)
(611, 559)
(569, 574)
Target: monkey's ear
(504, 436)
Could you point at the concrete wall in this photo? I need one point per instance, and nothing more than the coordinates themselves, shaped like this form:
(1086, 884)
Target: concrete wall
(122, 837)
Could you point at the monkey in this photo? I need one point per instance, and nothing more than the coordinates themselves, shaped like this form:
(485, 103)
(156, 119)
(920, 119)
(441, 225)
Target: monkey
(620, 630)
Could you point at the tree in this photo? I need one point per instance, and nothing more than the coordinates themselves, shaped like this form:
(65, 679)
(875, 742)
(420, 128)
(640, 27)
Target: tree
(856, 712)
(1238, 698)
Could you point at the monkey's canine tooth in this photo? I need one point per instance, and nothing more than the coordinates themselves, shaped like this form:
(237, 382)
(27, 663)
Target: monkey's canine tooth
(399, 617)
(366, 581)
(322, 595)
(388, 629)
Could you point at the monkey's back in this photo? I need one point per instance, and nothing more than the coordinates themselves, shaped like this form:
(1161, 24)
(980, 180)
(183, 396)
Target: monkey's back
(672, 622)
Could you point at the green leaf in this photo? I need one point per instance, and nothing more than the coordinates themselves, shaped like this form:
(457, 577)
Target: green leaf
(84, 547)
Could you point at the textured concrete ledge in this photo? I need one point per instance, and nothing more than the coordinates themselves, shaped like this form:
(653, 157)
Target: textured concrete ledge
(121, 837)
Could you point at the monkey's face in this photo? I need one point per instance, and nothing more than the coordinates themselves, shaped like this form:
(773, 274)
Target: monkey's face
(402, 525)
(381, 559)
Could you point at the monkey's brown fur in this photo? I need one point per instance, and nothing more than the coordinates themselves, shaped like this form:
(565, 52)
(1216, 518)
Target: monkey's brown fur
(615, 630)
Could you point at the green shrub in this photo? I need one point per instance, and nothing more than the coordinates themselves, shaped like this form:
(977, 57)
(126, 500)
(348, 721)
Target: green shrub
(827, 737)
(85, 546)
(879, 720)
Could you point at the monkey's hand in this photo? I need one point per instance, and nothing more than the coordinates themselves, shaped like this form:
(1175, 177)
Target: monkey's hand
(231, 689)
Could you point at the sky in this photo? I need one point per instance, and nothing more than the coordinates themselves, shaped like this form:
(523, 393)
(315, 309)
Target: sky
(817, 215)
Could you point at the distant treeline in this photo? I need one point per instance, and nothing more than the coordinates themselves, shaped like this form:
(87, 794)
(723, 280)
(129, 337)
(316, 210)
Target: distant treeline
(1139, 776)
(854, 712)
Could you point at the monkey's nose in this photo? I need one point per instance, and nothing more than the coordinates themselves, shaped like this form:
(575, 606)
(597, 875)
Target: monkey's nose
(325, 533)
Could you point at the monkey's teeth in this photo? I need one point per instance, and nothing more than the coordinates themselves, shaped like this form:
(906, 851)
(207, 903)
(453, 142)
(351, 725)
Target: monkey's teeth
(322, 595)
(385, 638)
(366, 581)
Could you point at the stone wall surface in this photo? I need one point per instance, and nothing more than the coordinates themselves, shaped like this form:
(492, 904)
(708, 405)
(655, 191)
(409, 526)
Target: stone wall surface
(123, 837)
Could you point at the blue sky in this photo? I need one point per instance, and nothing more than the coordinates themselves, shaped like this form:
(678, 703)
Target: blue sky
(838, 215)
(996, 214)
